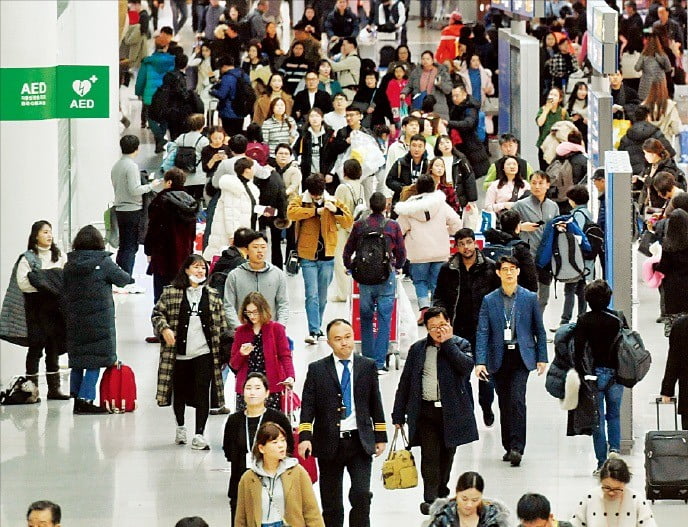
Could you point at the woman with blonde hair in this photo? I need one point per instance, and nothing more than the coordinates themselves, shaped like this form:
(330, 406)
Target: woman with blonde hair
(261, 345)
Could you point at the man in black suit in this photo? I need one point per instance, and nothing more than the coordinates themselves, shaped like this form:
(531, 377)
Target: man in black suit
(311, 97)
(341, 394)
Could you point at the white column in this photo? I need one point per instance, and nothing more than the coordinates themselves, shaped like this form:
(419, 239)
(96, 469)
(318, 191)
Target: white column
(28, 149)
(88, 35)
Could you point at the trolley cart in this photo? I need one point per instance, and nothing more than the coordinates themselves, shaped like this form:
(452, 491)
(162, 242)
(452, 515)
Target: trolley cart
(355, 314)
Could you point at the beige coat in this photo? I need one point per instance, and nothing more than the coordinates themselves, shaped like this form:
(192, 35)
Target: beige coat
(261, 110)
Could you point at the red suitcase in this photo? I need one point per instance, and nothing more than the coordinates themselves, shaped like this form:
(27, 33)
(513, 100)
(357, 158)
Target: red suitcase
(289, 402)
(118, 389)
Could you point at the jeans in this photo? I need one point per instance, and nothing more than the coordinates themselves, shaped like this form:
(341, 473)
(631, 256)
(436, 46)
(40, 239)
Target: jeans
(83, 385)
(544, 282)
(128, 223)
(179, 14)
(426, 9)
(572, 291)
(510, 384)
(436, 457)
(317, 276)
(349, 455)
(609, 396)
(198, 17)
(381, 296)
(424, 276)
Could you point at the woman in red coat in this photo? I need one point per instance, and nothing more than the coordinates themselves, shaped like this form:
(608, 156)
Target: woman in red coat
(261, 345)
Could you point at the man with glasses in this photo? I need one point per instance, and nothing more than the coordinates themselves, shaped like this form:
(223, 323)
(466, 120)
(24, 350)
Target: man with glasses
(311, 97)
(510, 343)
(462, 284)
(431, 398)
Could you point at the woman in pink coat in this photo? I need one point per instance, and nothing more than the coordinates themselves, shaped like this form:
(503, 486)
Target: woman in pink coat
(261, 345)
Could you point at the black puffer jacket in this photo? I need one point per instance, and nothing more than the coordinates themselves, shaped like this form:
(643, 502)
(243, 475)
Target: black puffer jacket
(88, 280)
(464, 119)
(464, 180)
(443, 513)
(674, 263)
(655, 200)
(633, 141)
(527, 277)
(272, 194)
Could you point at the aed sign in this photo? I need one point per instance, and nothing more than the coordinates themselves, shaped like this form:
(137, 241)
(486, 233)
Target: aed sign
(54, 92)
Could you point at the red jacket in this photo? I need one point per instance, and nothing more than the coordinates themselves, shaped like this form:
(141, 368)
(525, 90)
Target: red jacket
(278, 363)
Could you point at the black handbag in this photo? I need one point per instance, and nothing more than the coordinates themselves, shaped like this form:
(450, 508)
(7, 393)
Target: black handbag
(292, 264)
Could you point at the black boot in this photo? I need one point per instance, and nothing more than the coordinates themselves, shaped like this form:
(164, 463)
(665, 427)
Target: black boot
(82, 406)
(54, 392)
(33, 378)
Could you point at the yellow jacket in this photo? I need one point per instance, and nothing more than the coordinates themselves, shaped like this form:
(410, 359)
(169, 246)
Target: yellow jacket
(311, 226)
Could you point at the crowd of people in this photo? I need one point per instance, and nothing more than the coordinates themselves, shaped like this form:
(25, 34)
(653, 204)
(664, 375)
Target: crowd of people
(307, 159)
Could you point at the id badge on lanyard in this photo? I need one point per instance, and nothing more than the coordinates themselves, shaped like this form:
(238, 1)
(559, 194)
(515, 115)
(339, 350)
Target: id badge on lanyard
(249, 443)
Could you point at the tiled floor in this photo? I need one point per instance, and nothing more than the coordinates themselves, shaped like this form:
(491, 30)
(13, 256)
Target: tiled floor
(117, 470)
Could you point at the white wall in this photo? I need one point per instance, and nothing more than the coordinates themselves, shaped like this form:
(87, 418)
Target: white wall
(28, 149)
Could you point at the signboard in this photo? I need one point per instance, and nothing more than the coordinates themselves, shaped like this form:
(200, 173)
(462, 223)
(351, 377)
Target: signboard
(599, 127)
(54, 92)
(528, 8)
(603, 56)
(504, 5)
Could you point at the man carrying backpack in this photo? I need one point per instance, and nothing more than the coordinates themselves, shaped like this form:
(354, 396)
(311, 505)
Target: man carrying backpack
(232, 99)
(391, 254)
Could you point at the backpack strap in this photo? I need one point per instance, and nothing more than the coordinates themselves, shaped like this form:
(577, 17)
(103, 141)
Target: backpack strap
(571, 239)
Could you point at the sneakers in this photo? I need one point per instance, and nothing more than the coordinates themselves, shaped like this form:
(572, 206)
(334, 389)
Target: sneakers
(220, 411)
(382, 370)
(515, 458)
(311, 339)
(596, 472)
(180, 436)
(506, 457)
(134, 289)
(321, 336)
(199, 443)
(613, 454)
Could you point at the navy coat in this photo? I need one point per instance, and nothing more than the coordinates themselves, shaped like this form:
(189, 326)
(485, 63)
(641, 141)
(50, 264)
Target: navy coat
(454, 365)
(88, 279)
(530, 331)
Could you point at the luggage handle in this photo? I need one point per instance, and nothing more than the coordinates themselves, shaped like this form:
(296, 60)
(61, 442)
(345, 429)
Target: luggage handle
(658, 401)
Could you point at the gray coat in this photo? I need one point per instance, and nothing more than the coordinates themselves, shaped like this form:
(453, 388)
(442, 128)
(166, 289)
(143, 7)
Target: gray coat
(13, 315)
(443, 87)
(530, 209)
(88, 280)
(654, 69)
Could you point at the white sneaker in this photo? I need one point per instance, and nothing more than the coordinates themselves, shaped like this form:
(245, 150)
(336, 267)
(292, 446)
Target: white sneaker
(311, 339)
(613, 454)
(180, 436)
(134, 289)
(198, 443)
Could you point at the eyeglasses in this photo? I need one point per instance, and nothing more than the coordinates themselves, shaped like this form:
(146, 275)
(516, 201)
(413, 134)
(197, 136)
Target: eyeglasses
(438, 328)
(508, 270)
(612, 490)
(251, 313)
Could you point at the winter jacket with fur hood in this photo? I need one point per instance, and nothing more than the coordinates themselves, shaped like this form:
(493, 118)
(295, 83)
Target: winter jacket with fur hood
(234, 209)
(427, 222)
(492, 513)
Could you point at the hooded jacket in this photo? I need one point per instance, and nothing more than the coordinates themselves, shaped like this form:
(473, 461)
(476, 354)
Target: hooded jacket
(152, 71)
(230, 259)
(576, 155)
(427, 222)
(171, 231)
(674, 263)
(225, 92)
(400, 174)
(291, 487)
(234, 209)
(633, 141)
(269, 282)
(527, 276)
(464, 119)
(90, 311)
(443, 513)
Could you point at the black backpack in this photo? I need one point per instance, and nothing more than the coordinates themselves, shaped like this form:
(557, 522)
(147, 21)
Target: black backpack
(186, 156)
(244, 96)
(21, 391)
(372, 262)
(595, 236)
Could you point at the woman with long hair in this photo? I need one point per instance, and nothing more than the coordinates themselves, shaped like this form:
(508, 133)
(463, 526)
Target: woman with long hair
(277, 489)
(653, 64)
(89, 275)
(548, 47)
(271, 45)
(437, 171)
(44, 322)
(242, 427)
(274, 90)
(663, 110)
(577, 108)
(468, 507)
(657, 159)
(550, 113)
(189, 319)
(508, 188)
(279, 127)
(312, 148)
(261, 345)
(458, 172)
(326, 81)
(256, 66)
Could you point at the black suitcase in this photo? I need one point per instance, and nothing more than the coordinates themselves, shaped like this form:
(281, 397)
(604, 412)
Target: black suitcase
(666, 462)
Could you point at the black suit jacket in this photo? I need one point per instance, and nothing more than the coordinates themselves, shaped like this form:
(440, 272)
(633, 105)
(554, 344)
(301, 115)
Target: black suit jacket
(322, 399)
(302, 103)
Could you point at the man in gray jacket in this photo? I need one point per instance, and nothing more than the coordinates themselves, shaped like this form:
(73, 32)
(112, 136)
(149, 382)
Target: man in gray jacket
(535, 211)
(129, 191)
(256, 275)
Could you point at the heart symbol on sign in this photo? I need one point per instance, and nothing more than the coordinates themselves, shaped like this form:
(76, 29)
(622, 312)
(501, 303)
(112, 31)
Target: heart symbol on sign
(81, 87)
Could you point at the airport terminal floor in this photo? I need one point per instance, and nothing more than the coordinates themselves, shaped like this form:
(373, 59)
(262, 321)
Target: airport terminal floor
(125, 470)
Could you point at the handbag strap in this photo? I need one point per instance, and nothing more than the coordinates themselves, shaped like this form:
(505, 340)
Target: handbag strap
(394, 443)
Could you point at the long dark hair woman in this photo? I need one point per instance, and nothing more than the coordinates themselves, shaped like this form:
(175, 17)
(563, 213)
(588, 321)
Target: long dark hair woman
(657, 159)
(89, 275)
(241, 429)
(44, 322)
(509, 187)
(189, 319)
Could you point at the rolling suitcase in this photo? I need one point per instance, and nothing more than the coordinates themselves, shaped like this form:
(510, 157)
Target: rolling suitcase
(118, 389)
(666, 462)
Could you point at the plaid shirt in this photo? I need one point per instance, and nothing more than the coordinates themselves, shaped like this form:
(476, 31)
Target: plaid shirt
(561, 66)
(396, 246)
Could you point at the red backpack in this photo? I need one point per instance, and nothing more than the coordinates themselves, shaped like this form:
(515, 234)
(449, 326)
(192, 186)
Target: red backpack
(259, 152)
(118, 389)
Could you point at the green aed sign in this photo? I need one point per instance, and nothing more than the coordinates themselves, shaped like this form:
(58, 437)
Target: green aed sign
(55, 92)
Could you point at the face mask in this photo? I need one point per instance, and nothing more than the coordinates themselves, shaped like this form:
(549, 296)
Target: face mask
(196, 280)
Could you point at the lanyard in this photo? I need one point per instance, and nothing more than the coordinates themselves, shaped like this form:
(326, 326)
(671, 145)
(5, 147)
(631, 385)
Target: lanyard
(252, 443)
(510, 319)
